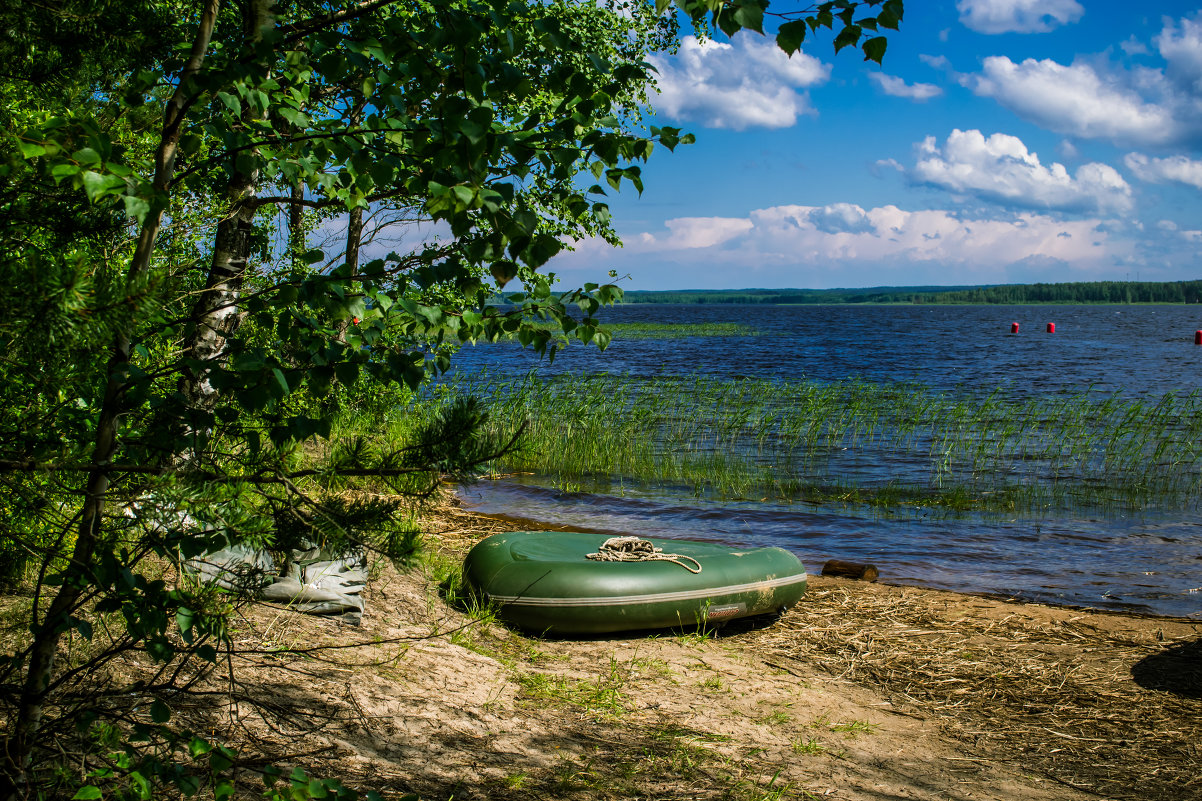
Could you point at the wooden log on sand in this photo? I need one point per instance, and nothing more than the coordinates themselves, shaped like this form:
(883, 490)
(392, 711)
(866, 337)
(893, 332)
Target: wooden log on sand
(851, 570)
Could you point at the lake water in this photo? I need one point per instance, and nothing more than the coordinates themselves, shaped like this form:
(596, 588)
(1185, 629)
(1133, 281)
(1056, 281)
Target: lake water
(1148, 561)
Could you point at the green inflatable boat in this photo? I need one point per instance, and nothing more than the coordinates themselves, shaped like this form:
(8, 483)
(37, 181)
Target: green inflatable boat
(568, 583)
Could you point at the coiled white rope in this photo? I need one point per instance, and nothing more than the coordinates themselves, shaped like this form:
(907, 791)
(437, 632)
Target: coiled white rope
(636, 549)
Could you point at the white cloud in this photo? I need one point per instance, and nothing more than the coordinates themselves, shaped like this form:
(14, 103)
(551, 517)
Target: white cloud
(747, 83)
(687, 233)
(1018, 16)
(891, 85)
(1074, 100)
(1134, 47)
(935, 62)
(1098, 100)
(1178, 169)
(844, 244)
(1181, 46)
(1000, 168)
(840, 218)
(818, 236)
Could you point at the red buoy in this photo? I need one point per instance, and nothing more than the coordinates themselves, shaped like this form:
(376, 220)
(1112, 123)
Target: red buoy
(1198, 337)
(1013, 328)
(1051, 328)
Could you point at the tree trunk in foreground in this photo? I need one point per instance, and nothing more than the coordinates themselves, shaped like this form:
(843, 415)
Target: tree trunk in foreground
(19, 745)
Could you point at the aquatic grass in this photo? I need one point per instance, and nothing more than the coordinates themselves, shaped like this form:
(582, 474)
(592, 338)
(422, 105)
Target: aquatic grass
(855, 442)
(626, 331)
(678, 330)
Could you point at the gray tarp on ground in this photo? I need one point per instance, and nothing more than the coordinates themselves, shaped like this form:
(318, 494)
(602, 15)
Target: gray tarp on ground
(317, 582)
(238, 567)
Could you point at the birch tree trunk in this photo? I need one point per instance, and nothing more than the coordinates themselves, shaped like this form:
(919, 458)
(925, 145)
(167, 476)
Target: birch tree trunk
(296, 236)
(354, 239)
(216, 315)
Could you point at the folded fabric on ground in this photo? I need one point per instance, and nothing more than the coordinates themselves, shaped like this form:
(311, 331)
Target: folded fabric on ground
(316, 582)
(321, 583)
(239, 568)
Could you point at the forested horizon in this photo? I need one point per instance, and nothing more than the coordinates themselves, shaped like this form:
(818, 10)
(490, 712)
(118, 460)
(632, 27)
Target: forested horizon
(1086, 292)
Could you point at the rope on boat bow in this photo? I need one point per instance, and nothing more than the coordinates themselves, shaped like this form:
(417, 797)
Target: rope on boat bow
(636, 549)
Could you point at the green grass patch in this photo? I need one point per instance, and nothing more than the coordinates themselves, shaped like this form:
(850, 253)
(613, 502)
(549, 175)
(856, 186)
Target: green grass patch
(678, 330)
(602, 697)
(628, 331)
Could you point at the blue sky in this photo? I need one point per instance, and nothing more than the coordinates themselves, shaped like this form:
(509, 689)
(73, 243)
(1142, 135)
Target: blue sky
(1002, 141)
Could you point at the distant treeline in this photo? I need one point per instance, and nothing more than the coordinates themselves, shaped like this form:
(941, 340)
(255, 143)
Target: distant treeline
(1077, 292)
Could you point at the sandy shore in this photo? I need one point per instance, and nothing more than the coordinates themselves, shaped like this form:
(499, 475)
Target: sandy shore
(864, 691)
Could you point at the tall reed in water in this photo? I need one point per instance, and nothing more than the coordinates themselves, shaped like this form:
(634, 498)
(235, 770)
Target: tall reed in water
(887, 444)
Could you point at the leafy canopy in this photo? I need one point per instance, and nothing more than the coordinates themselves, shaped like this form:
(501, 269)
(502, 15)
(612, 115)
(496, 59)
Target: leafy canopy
(178, 355)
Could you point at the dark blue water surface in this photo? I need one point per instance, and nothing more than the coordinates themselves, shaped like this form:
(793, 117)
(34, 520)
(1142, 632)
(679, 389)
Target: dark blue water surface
(1148, 561)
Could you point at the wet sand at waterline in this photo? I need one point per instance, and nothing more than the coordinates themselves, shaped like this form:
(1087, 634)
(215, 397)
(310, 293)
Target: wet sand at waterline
(862, 691)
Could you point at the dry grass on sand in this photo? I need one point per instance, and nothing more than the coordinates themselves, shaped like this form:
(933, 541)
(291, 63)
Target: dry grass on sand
(861, 692)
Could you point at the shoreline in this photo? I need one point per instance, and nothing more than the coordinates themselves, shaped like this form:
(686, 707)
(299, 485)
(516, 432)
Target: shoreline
(514, 523)
(861, 692)
(1041, 699)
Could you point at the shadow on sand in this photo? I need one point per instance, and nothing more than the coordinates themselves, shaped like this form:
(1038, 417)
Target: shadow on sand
(1177, 670)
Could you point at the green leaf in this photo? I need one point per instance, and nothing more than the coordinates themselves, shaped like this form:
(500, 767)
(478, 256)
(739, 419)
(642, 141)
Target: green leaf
(893, 11)
(790, 36)
(874, 49)
(298, 118)
(246, 162)
(503, 272)
(61, 171)
(189, 143)
(728, 24)
(95, 185)
(220, 759)
(281, 379)
(140, 784)
(136, 208)
(231, 102)
(347, 372)
(750, 15)
(87, 793)
(848, 36)
(183, 618)
(258, 99)
(198, 747)
(83, 627)
(160, 712)
(31, 150)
